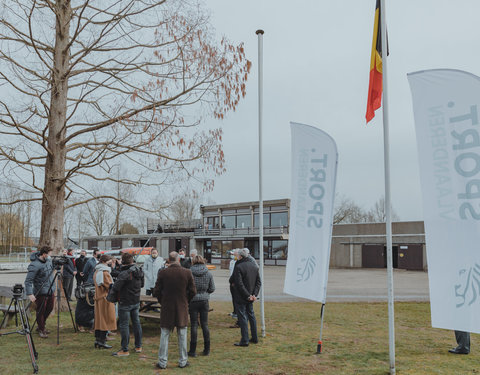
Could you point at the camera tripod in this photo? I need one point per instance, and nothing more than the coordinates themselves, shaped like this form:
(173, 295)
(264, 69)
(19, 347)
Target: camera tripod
(19, 308)
(58, 279)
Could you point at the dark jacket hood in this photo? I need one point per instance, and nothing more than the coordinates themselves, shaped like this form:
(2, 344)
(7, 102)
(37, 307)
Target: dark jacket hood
(35, 256)
(199, 269)
(136, 271)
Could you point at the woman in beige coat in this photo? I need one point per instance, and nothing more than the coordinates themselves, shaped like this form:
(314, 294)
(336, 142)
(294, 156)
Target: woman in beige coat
(105, 319)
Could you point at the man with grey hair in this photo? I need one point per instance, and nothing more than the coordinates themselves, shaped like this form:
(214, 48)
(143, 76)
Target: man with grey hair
(250, 257)
(174, 289)
(246, 284)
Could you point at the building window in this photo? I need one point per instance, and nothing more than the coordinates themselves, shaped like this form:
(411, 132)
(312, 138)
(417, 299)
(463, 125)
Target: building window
(228, 222)
(244, 221)
(266, 220)
(211, 222)
(279, 219)
(279, 249)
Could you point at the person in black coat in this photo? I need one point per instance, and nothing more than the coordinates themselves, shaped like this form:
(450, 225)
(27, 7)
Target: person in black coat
(69, 271)
(80, 264)
(127, 288)
(246, 284)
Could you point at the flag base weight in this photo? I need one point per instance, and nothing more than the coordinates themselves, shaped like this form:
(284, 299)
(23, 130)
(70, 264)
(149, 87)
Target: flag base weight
(319, 348)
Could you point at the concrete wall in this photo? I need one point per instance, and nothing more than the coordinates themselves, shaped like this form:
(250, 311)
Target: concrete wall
(348, 239)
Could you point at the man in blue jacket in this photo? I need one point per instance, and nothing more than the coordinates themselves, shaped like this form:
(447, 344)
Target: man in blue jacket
(89, 268)
(39, 288)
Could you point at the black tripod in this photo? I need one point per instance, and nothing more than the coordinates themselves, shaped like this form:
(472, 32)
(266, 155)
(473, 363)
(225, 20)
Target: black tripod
(58, 278)
(19, 309)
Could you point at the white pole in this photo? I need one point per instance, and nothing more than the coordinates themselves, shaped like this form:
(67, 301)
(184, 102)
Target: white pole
(388, 205)
(260, 197)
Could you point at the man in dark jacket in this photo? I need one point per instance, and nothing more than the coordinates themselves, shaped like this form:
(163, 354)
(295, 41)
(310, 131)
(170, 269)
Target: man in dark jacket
(246, 285)
(69, 271)
(80, 264)
(174, 289)
(39, 288)
(127, 288)
(89, 268)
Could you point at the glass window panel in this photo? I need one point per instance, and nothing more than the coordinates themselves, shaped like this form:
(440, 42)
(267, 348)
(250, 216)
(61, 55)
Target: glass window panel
(228, 221)
(237, 244)
(244, 221)
(216, 249)
(226, 247)
(279, 249)
(266, 220)
(279, 219)
(243, 210)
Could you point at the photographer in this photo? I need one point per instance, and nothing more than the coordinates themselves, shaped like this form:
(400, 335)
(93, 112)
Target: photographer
(38, 286)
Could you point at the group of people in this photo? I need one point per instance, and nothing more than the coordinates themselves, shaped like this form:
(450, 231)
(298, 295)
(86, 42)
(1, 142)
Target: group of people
(182, 285)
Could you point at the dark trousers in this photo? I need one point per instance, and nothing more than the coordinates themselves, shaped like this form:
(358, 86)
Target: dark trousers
(233, 301)
(125, 313)
(463, 340)
(44, 308)
(68, 287)
(195, 309)
(100, 336)
(245, 315)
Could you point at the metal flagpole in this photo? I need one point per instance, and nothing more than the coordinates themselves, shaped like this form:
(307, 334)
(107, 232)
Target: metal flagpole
(388, 211)
(260, 198)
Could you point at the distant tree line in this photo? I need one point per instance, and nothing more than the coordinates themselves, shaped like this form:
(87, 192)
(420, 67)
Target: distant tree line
(348, 212)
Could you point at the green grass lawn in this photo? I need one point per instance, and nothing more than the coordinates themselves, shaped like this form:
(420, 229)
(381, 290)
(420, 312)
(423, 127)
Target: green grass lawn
(355, 341)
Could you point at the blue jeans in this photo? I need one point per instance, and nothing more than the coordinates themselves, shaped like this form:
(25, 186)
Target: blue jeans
(125, 312)
(182, 346)
(244, 312)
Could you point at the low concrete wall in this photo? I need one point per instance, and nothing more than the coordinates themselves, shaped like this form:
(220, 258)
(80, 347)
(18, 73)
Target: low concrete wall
(348, 239)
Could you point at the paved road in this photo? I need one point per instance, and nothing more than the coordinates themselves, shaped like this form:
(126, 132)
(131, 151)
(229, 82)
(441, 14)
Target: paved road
(344, 285)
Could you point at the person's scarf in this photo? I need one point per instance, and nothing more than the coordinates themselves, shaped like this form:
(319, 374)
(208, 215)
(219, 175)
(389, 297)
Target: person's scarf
(100, 267)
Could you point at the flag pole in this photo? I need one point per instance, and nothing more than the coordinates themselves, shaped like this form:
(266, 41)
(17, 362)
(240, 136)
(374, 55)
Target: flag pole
(319, 345)
(260, 197)
(388, 205)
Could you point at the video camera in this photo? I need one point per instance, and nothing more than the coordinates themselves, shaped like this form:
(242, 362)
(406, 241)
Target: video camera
(17, 290)
(59, 260)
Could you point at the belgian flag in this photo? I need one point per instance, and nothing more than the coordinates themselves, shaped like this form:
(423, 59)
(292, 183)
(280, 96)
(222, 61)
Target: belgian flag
(375, 85)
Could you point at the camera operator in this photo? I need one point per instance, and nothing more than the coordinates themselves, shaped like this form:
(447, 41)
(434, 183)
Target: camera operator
(38, 286)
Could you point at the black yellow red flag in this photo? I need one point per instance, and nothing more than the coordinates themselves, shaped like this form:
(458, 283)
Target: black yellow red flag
(375, 85)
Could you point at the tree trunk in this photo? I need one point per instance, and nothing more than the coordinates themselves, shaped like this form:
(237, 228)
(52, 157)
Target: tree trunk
(51, 232)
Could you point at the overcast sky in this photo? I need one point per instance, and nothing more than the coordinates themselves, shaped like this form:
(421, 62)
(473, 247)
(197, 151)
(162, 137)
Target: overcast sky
(316, 71)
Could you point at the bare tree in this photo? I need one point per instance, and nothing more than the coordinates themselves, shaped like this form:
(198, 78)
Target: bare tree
(15, 219)
(86, 85)
(99, 217)
(185, 207)
(123, 193)
(377, 213)
(347, 211)
(128, 228)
